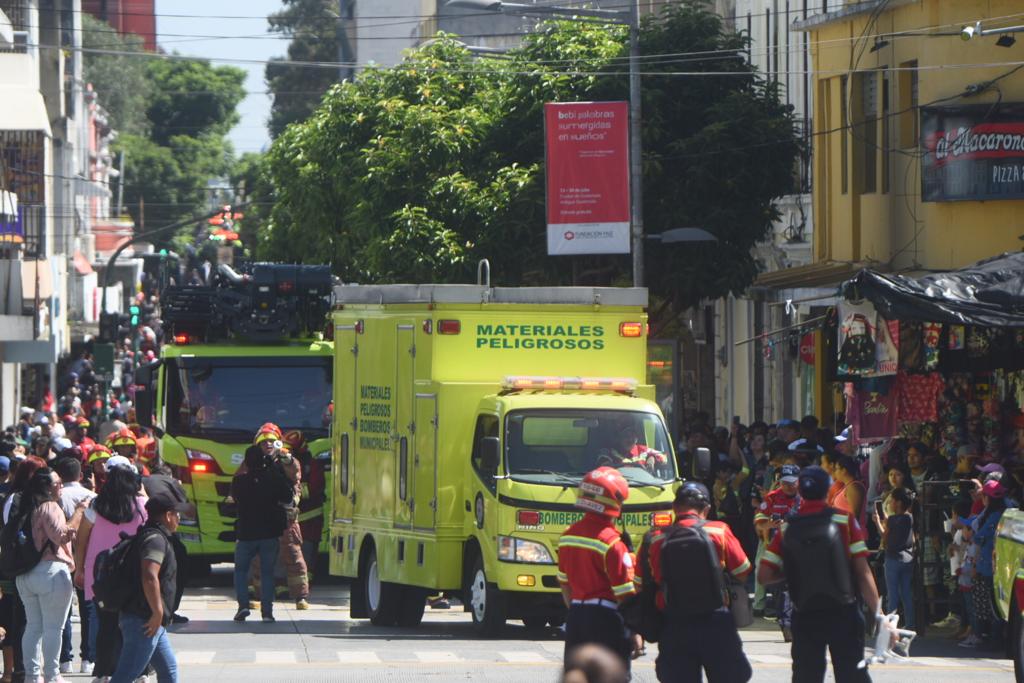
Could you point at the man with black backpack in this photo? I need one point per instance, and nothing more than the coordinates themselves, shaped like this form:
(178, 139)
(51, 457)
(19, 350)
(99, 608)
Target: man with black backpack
(147, 613)
(686, 563)
(821, 553)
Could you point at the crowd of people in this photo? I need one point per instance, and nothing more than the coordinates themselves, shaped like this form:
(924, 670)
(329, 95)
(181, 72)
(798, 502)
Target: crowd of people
(900, 517)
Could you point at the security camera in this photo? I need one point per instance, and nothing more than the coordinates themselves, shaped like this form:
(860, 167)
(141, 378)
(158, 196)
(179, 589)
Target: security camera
(968, 32)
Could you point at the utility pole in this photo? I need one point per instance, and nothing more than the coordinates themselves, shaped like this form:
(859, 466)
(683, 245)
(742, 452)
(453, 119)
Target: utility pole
(636, 163)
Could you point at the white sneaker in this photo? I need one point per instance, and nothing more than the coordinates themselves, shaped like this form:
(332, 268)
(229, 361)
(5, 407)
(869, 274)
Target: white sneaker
(970, 641)
(86, 667)
(67, 667)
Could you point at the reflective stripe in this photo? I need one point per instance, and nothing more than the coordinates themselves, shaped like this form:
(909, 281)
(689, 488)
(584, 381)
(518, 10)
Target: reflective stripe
(583, 542)
(858, 547)
(742, 568)
(624, 589)
(771, 558)
(310, 514)
(563, 578)
(759, 516)
(718, 531)
(841, 519)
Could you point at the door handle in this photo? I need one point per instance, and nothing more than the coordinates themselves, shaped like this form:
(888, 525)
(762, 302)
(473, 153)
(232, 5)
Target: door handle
(469, 508)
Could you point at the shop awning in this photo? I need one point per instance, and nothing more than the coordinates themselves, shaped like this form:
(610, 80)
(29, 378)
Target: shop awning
(989, 293)
(819, 274)
(23, 109)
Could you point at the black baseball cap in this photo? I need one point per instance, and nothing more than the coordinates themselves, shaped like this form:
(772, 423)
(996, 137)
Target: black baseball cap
(693, 494)
(814, 483)
(161, 501)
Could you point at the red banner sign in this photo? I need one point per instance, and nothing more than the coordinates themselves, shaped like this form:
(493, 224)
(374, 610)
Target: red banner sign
(587, 177)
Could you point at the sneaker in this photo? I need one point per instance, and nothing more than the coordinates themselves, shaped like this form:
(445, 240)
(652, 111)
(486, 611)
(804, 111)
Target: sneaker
(67, 667)
(301, 604)
(787, 635)
(85, 667)
(179, 618)
(950, 621)
(972, 641)
(440, 603)
(268, 618)
(242, 614)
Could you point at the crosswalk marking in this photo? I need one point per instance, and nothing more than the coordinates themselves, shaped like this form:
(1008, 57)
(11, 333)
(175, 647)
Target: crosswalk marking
(930, 661)
(352, 657)
(523, 657)
(195, 657)
(275, 657)
(557, 647)
(437, 657)
(768, 659)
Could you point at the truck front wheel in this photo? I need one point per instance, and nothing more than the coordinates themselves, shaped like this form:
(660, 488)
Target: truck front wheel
(486, 602)
(382, 598)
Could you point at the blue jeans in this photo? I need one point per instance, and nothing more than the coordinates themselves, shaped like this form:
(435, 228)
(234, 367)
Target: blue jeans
(245, 551)
(46, 591)
(899, 589)
(139, 650)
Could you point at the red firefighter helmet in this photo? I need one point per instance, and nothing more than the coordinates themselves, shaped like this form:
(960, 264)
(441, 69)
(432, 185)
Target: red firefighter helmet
(269, 431)
(122, 437)
(603, 492)
(294, 440)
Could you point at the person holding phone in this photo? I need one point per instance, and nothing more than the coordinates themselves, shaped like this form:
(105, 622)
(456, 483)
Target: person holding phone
(898, 541)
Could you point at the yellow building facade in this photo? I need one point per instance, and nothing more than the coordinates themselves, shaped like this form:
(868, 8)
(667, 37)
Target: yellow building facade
(882, 72)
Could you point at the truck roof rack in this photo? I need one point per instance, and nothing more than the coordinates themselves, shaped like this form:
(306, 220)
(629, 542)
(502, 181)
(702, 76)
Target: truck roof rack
(476, 294)
(266, 303)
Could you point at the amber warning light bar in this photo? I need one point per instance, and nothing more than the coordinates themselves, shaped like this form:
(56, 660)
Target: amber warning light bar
(525, 382)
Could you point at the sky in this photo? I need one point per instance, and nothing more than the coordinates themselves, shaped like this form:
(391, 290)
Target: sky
(250, 135)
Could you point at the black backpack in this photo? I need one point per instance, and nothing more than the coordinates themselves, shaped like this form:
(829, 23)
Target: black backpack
(691, 573)
(640, 610)
(116, 574)
(18, 552)
(815, 563)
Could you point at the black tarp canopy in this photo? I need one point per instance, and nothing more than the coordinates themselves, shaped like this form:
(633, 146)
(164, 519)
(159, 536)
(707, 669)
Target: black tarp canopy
(989, 293)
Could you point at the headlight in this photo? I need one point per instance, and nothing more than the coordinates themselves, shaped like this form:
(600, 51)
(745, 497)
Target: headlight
(512, 549)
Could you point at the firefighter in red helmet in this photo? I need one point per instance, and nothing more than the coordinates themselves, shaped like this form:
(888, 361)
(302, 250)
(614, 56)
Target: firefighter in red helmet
(595, 567)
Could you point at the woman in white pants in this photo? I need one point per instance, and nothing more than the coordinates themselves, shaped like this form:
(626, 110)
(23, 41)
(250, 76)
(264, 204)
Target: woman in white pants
(46, 589)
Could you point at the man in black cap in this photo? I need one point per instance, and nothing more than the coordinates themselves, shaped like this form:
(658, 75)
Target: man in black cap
(145, 618)
(821, 553)
(686, 563)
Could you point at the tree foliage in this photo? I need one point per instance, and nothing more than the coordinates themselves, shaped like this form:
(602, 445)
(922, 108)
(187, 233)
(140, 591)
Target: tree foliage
(188, 117)
(121, 80)
(415, 172)
(297, 91)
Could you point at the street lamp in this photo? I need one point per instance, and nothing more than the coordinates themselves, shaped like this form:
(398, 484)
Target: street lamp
(630, 18)
(976, 31)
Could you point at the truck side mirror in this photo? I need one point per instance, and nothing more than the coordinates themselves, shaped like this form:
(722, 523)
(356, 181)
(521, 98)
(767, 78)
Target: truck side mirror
(490, 454)
(702, 463)
(145, 392)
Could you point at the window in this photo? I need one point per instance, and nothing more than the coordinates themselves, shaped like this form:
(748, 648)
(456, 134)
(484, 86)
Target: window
(227, 399)
(908, 103)
(486, 425)
(867, 132)
(557, 447)
(844, 134)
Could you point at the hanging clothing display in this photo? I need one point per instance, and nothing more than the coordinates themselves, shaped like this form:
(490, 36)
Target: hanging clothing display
(919, 396)
(868, 344)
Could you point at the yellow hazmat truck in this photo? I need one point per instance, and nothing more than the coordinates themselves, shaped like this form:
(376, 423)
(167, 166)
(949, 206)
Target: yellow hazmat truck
(465, 417)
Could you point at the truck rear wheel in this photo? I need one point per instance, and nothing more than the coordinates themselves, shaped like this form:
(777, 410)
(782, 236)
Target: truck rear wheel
(486, 602)
(383, 599)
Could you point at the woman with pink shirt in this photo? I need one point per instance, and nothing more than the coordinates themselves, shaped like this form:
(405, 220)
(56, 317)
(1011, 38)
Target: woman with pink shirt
(118, 507)
(46, 589)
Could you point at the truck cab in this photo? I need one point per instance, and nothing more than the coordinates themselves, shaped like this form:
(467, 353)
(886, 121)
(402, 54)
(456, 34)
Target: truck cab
(532, 446)
(1008, 582)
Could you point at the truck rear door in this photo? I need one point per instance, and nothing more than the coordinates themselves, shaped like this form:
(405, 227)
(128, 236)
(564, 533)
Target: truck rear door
(425, 462)
(346, 386)
(405, 387)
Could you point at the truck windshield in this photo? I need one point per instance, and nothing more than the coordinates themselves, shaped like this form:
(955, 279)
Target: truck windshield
(559, 447)
(227, 399)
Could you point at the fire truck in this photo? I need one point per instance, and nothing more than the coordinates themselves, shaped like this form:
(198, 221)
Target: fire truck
(245, 350)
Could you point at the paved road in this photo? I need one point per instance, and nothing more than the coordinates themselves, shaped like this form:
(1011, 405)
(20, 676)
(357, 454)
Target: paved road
(323, 644)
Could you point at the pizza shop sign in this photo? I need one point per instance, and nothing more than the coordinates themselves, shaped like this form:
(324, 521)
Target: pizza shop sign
(972, 153)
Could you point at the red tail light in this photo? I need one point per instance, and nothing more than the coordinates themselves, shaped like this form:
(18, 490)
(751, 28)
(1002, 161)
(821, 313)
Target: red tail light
(449, 327)
(202, 463)
(528, 518)
(182, 339)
